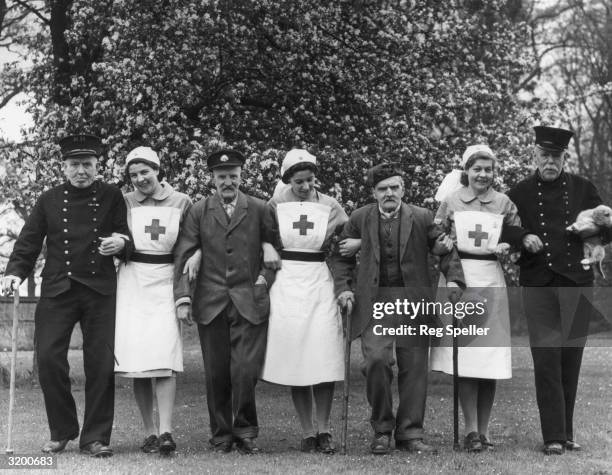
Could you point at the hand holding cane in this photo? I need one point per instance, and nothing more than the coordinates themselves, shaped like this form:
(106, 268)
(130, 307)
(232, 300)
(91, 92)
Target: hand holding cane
(9, 442)
(347, 375)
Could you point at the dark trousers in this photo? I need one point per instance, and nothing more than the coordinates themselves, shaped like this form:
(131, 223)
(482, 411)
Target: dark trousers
(556, 373)
(54, 321)
(412, 361)
(233, 350)
(557, 319)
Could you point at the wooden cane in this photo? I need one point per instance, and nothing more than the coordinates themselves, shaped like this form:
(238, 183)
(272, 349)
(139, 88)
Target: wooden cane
(9, 442)
(456, 445)
(347, 375)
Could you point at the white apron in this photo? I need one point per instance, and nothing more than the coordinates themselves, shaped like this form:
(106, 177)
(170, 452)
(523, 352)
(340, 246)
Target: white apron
(147, 333)
(305, 328)
(478, 233)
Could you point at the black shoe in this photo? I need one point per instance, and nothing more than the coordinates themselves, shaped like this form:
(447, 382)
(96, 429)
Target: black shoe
(97, 449)
(166, 444)
(472, 443)
(553, 448)
(486, 443)
(381, 444)
(324, 444)
(224, 447)
(571, 445)
(150, 445)
(55, 446)
(247, 446)
(415, 446)
(308, 444)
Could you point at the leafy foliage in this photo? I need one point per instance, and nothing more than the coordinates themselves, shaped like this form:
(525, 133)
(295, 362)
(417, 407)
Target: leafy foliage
(354, 82)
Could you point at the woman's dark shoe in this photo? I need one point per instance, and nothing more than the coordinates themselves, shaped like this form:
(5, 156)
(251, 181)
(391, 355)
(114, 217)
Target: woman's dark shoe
(472, 443)
(486, 443)
(553, 448)
(308, 444)
(150, 445)
(166, 444)
(324, 443)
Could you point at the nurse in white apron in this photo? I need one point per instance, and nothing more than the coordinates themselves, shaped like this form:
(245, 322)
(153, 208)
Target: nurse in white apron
(148, 346)
(475, 215)
(304, 348)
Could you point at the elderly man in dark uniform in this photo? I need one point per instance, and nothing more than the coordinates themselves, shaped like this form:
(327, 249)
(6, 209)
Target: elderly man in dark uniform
(396, 239)
(77, 219)
(556, 288)
(231, 303)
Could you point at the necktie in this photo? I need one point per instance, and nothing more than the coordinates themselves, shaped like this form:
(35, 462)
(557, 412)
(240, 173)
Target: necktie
(229, 209)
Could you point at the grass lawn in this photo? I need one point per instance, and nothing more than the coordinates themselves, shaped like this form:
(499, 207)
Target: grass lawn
(514, 428)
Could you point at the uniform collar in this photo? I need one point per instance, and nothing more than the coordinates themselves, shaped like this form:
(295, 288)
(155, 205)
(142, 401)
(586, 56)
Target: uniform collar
(164, 191)
(90, 189)
(467, 195)
(561, 179)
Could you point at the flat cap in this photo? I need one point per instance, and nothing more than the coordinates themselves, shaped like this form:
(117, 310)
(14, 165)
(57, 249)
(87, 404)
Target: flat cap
(80, 146)
(381, 172)
(552, 138)
(225, 158)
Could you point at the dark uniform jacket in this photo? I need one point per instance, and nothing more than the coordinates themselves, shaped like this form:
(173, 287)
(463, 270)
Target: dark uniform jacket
(416, 239)
(546, 209)
(72, 219)
(231, 258)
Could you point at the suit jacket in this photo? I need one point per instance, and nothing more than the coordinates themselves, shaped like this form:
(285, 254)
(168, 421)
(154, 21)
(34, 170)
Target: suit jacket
(417, 236)
(231, 257)
(546, 209)
(72, 219)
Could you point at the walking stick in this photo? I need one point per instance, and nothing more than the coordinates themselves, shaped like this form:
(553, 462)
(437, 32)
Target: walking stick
(347, 375)
(456, 445)
(9, 442)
